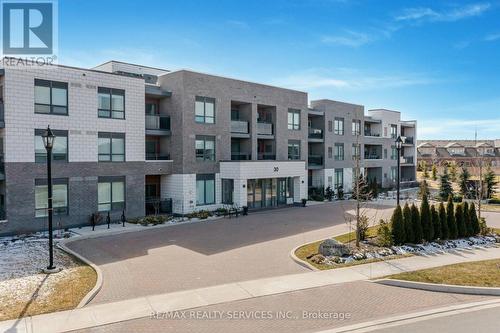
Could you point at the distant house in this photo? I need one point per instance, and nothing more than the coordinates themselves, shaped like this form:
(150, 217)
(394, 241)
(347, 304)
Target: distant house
(463, 152)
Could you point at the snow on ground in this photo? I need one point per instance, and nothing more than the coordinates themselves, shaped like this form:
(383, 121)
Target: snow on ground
(22, 259)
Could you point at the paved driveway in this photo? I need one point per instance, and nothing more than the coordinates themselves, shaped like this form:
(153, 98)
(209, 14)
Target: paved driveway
(202, 254)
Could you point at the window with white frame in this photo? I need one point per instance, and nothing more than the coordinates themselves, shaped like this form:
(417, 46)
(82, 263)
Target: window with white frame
(205, 189)
(339, 126)
(293, 119)
(59, 150)
(339, 151)
(293, 150)
(205, 148)
(111, 147)
(59, 197)
(204, 110)
(111, 193)
(51, 97)
(111, 103)
(356, 127)
(339, 178)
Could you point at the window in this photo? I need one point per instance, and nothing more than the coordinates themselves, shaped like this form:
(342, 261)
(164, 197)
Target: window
(293, 119)
(293, 150)
(111, 147)
(111, 103)
(356, 127)
(227, 191)
(111, 193)
(204, 110)
(51, 97)
(205, 189)
(356, 151)
(339, 151)
(330, 152)
(339, 126)
(394, 153)
(385, 153)
(59, 150)
(59, 197)
(394, 131)
(339, 178)
(205, 148)
(330, 125)
(393, 174)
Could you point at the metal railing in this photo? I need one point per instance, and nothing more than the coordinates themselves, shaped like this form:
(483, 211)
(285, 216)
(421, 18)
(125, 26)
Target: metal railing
(264, 128)
(240, 157)
(156, 122)
(315, 133)
(373, 157)
(315, 160)
(155, 205)
(408, 140)
(407, 160)
(369, 133)
(239, 126)
(266, 156)
(157, 156)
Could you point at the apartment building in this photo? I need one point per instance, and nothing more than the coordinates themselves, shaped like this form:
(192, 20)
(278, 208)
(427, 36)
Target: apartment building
(462, 152)
(140, 140)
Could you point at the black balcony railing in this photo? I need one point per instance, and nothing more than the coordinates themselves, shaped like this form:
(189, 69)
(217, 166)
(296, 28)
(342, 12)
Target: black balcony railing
(156, 122)
(369, 133)
(155, 205)
(316, 160)
(157, 157)
(373, 157)
(240, 157)
(315, 133)
(407, 160)
(266, 156)
(408, 140)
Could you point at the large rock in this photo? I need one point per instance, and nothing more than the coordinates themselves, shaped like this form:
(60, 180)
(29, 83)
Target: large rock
(331, 247)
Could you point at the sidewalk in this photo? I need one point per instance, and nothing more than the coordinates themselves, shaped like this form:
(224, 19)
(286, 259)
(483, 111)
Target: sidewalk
(96, 315)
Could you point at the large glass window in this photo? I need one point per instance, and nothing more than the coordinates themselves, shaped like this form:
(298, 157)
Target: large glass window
(394, 153)
(205, 148)
(293, 150)
(59, 197)
(394, 131)
(59, 150)
(111, 147)
(111, 193)
(356, 151)
(227, 191)
(204, 110)
(205, 189)
(356, 127)
(51, 97)
(293, 119)
(339, 178)
(111, 103)
(339, 126)
(339, 151)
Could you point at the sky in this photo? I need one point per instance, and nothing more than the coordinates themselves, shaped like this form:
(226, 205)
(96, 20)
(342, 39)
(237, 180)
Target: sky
(435, 61)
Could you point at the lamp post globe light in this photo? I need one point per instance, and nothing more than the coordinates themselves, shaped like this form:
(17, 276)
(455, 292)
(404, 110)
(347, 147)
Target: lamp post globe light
(48, 141)
(399, 144)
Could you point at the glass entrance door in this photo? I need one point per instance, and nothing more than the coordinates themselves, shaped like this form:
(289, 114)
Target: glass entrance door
(281, 191)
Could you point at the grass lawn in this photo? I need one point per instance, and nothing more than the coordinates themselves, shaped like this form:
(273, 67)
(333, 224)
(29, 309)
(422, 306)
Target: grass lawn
(479, 274)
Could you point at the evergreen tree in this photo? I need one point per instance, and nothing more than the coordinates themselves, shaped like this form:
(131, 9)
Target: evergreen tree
(423, 189)
(469, 230)
(490, 182)
(425, 169)
(459, 218)
(398, 230)
(445, 189)
(425, 219)
(464, 179)
(474, 220)
(450, 217)
(453, 171)
(445, 232)
(408, 223)
(434, 172)
(417, 226)
(436, 224)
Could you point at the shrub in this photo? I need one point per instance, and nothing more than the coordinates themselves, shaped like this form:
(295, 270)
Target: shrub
(363, 227)
(423, 189)
(459, 218)
(201, 214)
(434, 172)
(469, 230)
(410, 236)
(458, 198)
(417, 226)
(329, 194)
(445, 189)
(476, 228)
(425, 219)
(340, 193)
(398, 230)
(483, 228)
(436, 223)
(317, 194)
(450, 219)
(445, 233)
(494, 201)
(384, 234)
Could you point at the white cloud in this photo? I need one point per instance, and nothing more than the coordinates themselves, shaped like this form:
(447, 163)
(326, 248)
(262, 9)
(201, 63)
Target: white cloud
(421, 14)
(492, 37)
(349, 38)
(459, 129)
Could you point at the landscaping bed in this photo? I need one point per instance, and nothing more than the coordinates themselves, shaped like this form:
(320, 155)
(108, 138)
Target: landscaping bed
(478, 274)
(26, 291)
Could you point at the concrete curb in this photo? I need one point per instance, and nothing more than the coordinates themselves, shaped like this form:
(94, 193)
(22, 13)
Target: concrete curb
(98, 285)
(301, 262)
(444, 288)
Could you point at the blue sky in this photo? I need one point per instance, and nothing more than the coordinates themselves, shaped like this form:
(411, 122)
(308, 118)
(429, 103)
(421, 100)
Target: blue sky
(435, 61)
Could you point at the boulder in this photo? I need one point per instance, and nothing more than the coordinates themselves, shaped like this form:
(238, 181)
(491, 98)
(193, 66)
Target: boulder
(330, 247)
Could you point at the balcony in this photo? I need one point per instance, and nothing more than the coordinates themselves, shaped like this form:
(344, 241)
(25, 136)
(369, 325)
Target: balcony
(408, 140)
(369, 133)
(265, 129)
(315, 160)
(266, 156)
(157, 157)
(235, 156)
(240, 128)
(407, 160)
(157, 125)
(373, 156)
(315, 134)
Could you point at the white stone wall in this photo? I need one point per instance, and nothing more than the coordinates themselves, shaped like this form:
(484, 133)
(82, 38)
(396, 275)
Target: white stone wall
(81, 122)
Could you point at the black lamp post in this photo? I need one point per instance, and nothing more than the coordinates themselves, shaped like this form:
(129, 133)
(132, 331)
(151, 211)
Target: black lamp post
(399, 144)
(48, 141)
